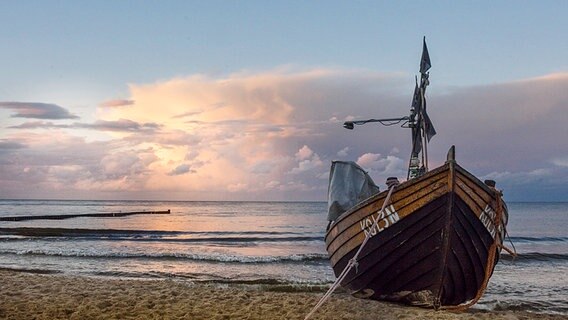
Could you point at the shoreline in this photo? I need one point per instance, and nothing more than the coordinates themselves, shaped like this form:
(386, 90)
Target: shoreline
(27, 295)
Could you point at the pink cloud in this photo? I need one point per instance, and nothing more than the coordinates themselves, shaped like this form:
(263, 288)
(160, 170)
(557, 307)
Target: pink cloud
(116, 103)
(37, 110)
(269, 135)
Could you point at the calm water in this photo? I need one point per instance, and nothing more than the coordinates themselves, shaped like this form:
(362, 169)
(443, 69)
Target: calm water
(256, 242)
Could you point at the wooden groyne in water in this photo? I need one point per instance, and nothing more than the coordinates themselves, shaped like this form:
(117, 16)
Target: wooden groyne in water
(82, 215)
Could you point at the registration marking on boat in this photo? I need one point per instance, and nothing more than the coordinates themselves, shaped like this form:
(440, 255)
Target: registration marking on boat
(379, 221)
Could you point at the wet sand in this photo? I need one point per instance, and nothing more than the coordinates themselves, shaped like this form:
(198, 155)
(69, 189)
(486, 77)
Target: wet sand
(26, 295)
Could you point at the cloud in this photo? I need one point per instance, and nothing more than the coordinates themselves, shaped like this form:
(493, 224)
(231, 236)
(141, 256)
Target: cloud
(522, 122)
(244, 129)
(192, 154)
(173, 137)
(39, 125)
(186, 114)
(122, 164)
(66, 165)
(272, 136)
(10, 145)
(116, 103)
(390, 165)
(37, 110)
(307, 161)
(519, 177)
(118, 125)
(541, 184)
(369, 160)
(121, 125)
(343, 152)
(272, 185)
(561, 161)
(304, 153)
(181, 169)
(262, 167)
(236, 187)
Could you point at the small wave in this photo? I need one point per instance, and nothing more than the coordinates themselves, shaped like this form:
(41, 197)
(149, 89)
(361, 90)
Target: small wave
(154, 238)
(548, 307)
(277, 285)
(35, 271)
(295, 258)
(68, 232)
(143, 275)
(218, 239)
(150, 234)
(538, 239)
(267, 284)
(536, 256)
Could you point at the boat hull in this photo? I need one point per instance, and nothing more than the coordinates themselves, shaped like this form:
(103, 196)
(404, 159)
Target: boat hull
(435, 245)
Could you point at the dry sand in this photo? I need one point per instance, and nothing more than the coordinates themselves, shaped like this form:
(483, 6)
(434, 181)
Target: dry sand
(53, 296)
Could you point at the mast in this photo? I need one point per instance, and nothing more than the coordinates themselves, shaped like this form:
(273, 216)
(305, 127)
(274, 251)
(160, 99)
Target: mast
(418, 121)
(422, 128)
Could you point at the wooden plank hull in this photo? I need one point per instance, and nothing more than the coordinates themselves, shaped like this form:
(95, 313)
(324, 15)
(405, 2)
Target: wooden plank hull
(436, 244)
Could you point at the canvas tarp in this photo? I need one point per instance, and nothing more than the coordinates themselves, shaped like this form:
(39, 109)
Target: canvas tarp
(349, 184)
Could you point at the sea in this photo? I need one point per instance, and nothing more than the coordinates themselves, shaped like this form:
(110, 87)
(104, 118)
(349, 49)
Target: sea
(255, 243)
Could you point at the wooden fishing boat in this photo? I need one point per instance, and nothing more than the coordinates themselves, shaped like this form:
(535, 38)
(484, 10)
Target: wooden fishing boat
(432, 240)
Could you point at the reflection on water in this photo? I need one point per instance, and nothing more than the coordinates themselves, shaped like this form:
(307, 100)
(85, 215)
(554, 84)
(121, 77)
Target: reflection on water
(198, 240)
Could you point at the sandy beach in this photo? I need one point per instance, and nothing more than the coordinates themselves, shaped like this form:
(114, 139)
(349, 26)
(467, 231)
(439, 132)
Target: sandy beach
(25, 295)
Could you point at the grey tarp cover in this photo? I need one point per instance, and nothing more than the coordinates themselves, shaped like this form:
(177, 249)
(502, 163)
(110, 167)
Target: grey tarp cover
(349, 184)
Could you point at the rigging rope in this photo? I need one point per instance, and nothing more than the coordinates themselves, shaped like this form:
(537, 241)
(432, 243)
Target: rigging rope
(352, 262)
(512, 252)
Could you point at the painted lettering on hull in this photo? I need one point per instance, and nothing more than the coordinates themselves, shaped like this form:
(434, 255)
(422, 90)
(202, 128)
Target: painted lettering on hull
(379, 221)
(487, 217)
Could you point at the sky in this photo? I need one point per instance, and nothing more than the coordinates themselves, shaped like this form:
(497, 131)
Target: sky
(245, 100)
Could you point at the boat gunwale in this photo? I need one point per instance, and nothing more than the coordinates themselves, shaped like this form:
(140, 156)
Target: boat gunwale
(408, 183)
(377, 197)
(357, 233)
(384, 193)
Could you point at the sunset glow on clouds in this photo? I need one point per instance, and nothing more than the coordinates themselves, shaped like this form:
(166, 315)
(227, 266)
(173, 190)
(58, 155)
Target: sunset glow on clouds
(272, 136)
(245, 100)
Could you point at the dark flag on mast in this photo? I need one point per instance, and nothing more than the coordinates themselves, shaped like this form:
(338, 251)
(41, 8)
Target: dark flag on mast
(423, 121)
(425, 64)
(428, 126)
(416, 134)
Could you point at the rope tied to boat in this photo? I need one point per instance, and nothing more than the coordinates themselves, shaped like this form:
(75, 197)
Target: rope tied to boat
(352, 262)
(512, 252)
(355, 264)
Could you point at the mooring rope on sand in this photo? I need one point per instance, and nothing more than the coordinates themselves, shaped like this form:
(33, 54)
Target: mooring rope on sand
(352, 262)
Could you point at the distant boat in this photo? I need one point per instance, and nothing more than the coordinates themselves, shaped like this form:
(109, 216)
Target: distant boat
(435, 241)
